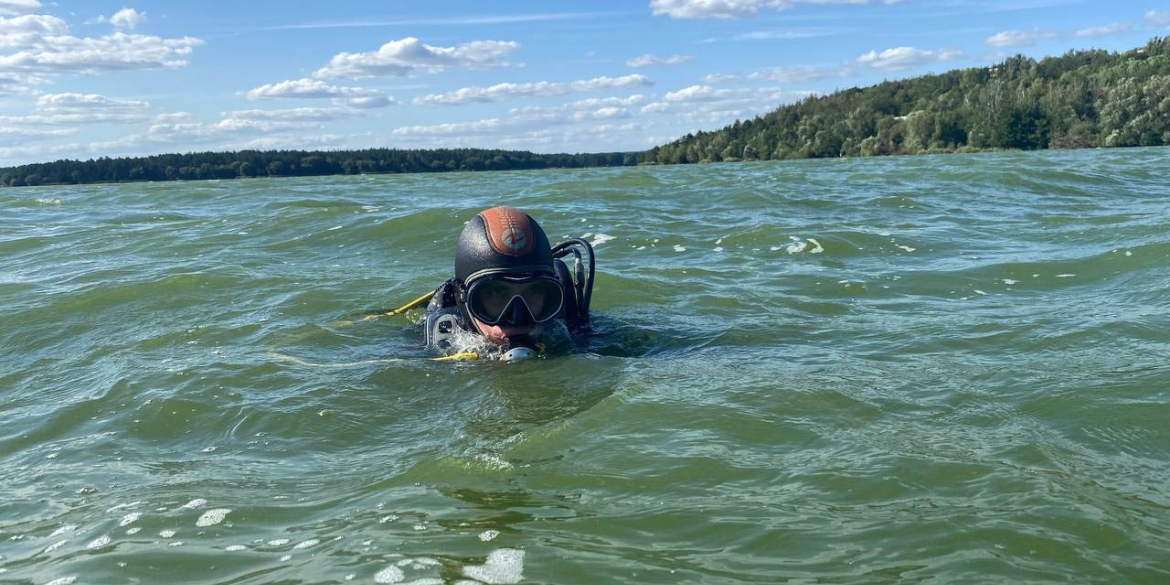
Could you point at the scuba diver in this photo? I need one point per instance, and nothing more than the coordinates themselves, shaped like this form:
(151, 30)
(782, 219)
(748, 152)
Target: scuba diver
(511, 290)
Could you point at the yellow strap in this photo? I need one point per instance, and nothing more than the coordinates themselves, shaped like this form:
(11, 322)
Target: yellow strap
(404, 308)
(458, 357)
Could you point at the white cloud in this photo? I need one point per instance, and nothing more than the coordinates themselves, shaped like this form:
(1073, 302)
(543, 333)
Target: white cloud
(797, 74)
(533, 117)
(50, 55)
(785, 34)
(401, 57)
(76, 108)
(29, 30)
(698, 93)
(10, 137)
(648, 60)
(126, 18)
(721, 78)
(504, 91)
(454, 128)
(1019, 38)
(314, 89)
(11, 7)
(294, 114)
(727, 9)
(702, 106)
(1117, 28)
(1155, 19)
(902, 58)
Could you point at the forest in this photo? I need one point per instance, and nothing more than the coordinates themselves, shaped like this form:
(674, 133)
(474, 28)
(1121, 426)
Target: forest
(295, 163)
(1083, 99)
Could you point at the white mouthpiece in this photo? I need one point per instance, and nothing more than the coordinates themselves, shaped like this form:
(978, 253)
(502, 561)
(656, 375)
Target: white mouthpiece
(518, 354)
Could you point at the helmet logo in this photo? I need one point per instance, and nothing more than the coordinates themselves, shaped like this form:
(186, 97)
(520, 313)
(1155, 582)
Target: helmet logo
(514, 239)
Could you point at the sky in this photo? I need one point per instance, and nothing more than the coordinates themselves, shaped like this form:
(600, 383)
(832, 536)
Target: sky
(87, 78)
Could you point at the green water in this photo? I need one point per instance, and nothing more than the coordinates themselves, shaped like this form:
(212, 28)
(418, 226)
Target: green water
(925, 369)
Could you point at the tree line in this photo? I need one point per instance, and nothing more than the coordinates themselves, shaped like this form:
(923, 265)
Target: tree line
(295, 163)
(1082, 99)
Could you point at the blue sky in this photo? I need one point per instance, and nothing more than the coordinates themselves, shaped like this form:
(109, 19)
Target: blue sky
(80, 79)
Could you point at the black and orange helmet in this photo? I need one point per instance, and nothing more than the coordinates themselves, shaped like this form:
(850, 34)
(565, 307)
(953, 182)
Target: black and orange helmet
(502, 241)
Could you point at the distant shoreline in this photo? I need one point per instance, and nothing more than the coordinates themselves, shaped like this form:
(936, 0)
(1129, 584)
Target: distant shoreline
(1083, 99)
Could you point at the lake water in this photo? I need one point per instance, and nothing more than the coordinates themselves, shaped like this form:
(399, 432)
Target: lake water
(925, 369)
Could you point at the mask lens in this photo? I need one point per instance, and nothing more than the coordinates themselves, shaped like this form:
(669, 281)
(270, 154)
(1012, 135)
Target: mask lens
(487, 300)
(543, 298)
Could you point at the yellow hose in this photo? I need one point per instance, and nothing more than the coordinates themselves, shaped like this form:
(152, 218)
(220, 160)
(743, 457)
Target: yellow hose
(404, 308)
(458, 357)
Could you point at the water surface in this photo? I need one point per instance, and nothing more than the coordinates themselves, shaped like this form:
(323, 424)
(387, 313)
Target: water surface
(922, 369)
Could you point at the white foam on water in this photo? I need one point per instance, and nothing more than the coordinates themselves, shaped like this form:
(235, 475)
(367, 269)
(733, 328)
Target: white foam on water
(129, 519)
(212, 517)
(286, 558)
(278, 542)
(426, 581)
(1009, 281)
(389, 575)
(489, 535)
(307, 543)
(503, 566)
(979, 292)
(235, 548)
(601, 238)
(420, 527)
(385, 519)
(193, 504)
(1065, 275)
(122, 507)
(1128, 253)
(98, 542)
(351, 576)
(133, 531)
(63, 581)
(908, 248)
(55, 546)
(719, 241)
(818, 249)
(209, 449)
(678, 248)
(47, 201)
(334, 228)
(61, 530)
(641, 247)
(718, 248)
(180, 543)
(419, 564)
(167, 533)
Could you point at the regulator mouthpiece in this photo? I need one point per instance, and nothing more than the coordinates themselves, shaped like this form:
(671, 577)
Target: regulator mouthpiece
(517, 354)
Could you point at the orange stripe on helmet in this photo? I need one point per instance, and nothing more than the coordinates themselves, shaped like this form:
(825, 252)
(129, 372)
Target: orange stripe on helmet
(509, 231)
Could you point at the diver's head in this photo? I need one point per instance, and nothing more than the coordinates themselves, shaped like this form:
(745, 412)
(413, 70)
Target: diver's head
(508, 286)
